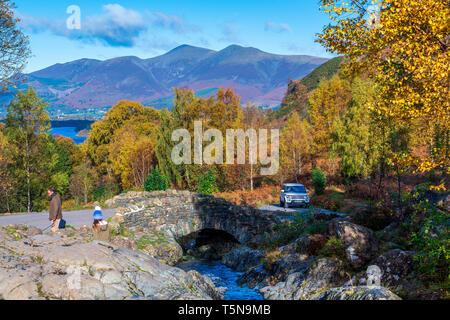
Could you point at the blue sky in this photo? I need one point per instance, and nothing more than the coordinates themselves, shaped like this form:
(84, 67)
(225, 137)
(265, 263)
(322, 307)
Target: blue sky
(147, 28)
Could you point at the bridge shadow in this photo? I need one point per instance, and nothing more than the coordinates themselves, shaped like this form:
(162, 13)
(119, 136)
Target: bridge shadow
(210, 244)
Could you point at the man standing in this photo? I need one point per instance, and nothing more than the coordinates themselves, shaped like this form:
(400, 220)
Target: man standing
(55, 212)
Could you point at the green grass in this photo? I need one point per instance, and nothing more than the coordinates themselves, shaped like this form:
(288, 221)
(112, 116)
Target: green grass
(146, 240)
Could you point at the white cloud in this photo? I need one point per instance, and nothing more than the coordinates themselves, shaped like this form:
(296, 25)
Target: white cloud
(230, 33)
(173, 22)
(117, 26)
(277, 27)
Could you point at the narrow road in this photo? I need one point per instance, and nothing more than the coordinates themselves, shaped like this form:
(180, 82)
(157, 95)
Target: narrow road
(281, 212)
(40, 220)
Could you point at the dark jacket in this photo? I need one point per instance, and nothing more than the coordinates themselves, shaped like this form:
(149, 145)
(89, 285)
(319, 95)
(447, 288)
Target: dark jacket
(55, 211)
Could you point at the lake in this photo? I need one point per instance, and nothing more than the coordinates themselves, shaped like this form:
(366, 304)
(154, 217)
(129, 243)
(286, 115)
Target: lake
(69, 132)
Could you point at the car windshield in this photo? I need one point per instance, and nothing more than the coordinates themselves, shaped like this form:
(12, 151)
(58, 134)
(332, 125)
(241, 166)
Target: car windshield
(300, 189)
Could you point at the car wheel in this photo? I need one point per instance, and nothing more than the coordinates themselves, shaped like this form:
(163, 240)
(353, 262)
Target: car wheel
(285, 205)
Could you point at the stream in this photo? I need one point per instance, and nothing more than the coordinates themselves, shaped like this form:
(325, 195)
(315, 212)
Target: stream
(222, 276)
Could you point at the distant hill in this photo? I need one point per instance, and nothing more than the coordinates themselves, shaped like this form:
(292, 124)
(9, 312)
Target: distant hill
(326, 70)
(258, 77)
(311, 82)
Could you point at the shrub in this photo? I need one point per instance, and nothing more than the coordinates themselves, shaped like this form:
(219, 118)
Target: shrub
(105, 192)
(430, 240)
(375, 218)
(70, 204)
(207, 184)
(333, 248)
(319, 180)
(317, 227)
(155, 181)
(287, 232)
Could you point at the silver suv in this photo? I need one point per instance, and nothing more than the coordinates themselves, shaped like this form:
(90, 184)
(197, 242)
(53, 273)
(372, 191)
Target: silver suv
(294, 194)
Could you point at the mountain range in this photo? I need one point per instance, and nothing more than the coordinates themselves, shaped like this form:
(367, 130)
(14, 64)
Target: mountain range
(257, 77)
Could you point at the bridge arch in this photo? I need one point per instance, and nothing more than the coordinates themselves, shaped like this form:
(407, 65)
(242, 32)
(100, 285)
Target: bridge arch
(180, 213)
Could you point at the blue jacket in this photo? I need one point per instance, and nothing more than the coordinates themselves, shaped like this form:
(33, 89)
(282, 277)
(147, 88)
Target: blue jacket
(98, 215)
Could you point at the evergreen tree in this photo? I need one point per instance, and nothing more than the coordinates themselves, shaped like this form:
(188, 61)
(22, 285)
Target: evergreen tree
(155, 181)
(207, 184)
(164, 151)
(319, 180)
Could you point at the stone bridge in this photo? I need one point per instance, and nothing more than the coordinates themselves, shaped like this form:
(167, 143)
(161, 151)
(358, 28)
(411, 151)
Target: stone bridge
(180, 213)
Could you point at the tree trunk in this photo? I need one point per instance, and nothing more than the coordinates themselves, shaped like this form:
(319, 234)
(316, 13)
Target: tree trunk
(399, 193)
(28, 174)
(85, 191)
(251, 177)
(28, 190)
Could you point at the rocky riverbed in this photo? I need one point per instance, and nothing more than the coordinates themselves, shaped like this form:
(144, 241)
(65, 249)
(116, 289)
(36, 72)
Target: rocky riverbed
(71, 265)
(333, 258)
(303, 270)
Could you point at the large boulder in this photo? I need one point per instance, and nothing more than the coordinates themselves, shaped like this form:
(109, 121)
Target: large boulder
(360, 242)
(53, 266)
(157, 245)
(444, 203)
(309, 245)
(358, 293)
(272, 272)
(308, 284)
(396, 267)
(19, 231)
(281, 268)
(243, 258)
(124, 242)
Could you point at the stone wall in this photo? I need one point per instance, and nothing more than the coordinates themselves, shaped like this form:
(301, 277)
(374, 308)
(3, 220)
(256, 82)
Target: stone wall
(179, 213)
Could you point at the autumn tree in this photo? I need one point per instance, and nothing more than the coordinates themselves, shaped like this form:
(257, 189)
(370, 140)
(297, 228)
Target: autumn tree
(296, 98)
(5, 175)
(14, 45)
(404, 45)
(132, 156)
(354, 139)
(27, 124)
(103, 131)
(74, 152)
(142, 160)
(225, 112)
(296, 144)
(252, 118)
(83, 181)
(328, 103)
(117, 144)
(220, 111)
